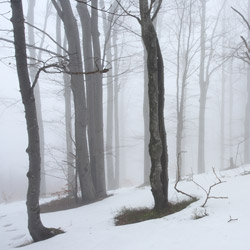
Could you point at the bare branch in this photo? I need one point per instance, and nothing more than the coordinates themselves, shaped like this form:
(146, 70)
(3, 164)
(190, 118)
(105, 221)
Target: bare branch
(242, 16)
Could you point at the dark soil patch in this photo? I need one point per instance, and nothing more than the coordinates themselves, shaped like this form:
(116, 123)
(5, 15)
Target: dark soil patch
(134, 215)
(65, 204)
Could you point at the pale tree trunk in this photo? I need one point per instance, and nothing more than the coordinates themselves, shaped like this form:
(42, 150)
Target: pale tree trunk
(247, 109)
(116, 108)
(222, 117)
(72, 189)
(78, 90)
(107, 22)
(157, 145)
(37, 230)
(146, 121)
(100, 170)
(33, 70)
(203, 93)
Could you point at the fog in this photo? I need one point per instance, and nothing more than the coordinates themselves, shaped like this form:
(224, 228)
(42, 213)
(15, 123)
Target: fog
(13, 134)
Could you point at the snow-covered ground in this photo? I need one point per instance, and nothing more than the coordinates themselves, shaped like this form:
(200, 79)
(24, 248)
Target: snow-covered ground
(92, 226)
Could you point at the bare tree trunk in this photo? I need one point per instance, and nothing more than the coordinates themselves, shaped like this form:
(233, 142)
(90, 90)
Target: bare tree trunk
(157, 145)
(222, 117)
(68, 117)
(203, 93)
(37, 230)
(78, 89)
(107, 22)
(116, 109)
(32, 69)
(100, 170)
(247, 110)
(146, 122)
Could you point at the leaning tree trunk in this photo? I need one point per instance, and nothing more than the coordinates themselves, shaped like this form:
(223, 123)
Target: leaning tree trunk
(157, 144)
(37, 230)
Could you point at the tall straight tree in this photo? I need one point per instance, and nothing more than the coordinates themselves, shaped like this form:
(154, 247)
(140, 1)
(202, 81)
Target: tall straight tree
(203, 92)
(155, 67)
(78, 89)
(33, 70)
(92, 61)
(247, 109)
(37, 230)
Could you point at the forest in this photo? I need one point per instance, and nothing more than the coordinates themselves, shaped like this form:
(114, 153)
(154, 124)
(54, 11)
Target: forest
(130, 111)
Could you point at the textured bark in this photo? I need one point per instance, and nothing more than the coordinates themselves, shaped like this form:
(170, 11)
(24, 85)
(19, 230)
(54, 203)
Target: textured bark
(78, 89)
(37, 230)
(32, 70)
(157, 145)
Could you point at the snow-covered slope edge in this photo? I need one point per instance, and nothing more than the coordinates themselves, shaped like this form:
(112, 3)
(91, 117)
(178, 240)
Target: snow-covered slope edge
(91, 227)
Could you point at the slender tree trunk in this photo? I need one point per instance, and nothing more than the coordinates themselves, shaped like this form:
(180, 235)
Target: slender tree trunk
(100, 170)
(116, 108)
(157, 145)
(32, 69)
(37, 230)
(146, 122)
(203, 93)
(78, 89)
(68, 117)
(247, 109)
(107, 22)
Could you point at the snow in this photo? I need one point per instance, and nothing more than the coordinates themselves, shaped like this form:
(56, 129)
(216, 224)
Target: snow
(92, 227)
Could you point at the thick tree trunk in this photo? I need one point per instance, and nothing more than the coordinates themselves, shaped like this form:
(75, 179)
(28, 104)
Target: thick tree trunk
(157, 145)
(32, 69)
(78, 89)
(37, 230)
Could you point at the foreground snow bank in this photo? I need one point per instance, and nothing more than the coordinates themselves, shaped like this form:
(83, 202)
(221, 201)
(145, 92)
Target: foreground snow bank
(92, 226)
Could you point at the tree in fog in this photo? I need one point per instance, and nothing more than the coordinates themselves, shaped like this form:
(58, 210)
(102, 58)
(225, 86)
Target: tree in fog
(32, 61)
(185, 68)
(92, 61)
(78, 89)
(208, 43)
(37, 230)
(155, 67)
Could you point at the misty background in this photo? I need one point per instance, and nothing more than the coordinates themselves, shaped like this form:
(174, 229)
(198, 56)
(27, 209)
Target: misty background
(227, 41)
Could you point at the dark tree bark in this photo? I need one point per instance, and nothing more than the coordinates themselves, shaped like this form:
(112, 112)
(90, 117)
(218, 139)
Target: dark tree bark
(157, 145)
(37, 230)
(32, 69)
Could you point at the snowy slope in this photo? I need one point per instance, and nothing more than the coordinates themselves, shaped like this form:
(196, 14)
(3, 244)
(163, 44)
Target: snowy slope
(92, 227)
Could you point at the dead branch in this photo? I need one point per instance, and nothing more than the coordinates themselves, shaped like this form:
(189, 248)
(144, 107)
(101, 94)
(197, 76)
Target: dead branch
(242, 16)
(232, 219)
(208, 192)
(178, 179)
